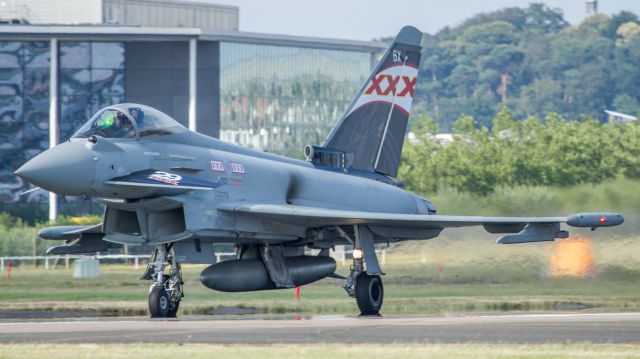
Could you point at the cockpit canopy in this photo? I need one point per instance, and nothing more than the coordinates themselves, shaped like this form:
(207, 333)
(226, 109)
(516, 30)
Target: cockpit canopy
(128, 120)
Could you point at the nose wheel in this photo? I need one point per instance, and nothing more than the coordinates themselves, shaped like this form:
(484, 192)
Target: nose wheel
(166, 291)
(161, 304)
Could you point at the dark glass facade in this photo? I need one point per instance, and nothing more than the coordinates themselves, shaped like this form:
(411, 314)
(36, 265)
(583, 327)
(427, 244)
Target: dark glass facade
(91, 76)
(24, 111)
(280, 98)
(274, 98)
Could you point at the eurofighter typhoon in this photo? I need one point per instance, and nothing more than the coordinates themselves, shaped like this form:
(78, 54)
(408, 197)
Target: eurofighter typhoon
(181, 192)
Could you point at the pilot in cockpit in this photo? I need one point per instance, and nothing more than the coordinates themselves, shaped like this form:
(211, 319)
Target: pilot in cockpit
(138, 115)
(117, 121)
(113, 123)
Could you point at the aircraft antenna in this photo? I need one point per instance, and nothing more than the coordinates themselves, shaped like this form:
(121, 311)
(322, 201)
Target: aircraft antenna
(393, 103)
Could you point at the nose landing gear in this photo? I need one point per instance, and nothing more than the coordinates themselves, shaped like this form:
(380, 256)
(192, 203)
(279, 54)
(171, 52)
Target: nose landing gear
(166, 291)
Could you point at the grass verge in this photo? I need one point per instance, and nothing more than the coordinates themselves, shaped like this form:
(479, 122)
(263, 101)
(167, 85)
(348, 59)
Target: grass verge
(320, 351)
(453, 274)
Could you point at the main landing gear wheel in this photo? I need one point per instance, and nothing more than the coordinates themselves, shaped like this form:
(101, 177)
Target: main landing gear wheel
(366, 288)
(369, 293)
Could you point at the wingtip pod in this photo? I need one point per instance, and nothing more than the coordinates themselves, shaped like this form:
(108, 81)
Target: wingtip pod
(595, 220)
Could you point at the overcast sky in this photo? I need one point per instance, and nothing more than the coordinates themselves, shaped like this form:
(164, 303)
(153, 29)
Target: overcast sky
(370, 19)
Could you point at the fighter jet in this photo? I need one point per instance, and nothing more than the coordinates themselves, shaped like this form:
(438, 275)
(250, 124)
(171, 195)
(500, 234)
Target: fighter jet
(182, 192)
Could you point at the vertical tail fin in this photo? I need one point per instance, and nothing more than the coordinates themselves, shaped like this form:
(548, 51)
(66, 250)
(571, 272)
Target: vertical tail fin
(370, 133)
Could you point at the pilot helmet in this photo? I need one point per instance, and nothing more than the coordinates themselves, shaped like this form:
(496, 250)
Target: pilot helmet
(138, 115)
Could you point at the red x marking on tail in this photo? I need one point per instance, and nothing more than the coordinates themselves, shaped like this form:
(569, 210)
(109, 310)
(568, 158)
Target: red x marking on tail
(392, 85)
(409, 85)
(392, 81)
(376, 81)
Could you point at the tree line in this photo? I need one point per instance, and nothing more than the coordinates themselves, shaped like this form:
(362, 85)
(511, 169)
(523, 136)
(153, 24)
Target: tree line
(532, 61)
(509, 153)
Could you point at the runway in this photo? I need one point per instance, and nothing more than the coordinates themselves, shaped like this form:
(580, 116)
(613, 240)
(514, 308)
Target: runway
(521, 328)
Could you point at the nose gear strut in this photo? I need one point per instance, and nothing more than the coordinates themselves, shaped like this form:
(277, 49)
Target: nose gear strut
(166, 291)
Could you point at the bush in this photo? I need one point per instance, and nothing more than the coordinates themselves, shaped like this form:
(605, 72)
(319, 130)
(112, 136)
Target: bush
(551, 153)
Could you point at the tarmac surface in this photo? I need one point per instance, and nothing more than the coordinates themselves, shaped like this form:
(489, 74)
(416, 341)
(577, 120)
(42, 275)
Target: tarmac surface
(520, 328)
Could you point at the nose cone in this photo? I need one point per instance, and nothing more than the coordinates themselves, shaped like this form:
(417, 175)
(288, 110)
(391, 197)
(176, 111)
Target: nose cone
(67, 169)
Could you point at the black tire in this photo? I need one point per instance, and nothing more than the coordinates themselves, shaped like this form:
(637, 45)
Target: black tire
(173, 309)
(369, 293)
(159, 302)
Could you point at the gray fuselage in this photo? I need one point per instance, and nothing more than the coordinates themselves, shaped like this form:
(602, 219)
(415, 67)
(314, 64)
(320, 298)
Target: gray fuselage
(243, 175)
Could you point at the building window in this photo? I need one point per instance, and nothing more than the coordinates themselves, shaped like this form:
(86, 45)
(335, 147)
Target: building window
(24, 111)
(91, 77)
(280, 98)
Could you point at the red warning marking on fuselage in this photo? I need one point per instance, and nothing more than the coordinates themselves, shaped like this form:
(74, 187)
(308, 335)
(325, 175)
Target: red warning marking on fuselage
(217, 166)
(237, 167)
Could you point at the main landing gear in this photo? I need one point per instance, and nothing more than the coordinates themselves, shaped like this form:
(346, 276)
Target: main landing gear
(365, 287)
(369, 293)
(166, 292)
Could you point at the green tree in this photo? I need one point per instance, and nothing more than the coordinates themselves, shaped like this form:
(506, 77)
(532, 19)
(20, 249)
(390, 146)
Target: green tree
(624, 17)
(417, 167)
(626, 104)
(553, 152)
(532, 61)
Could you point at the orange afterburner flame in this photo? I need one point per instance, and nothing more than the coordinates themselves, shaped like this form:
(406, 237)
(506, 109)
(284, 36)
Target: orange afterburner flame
(572, 257)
